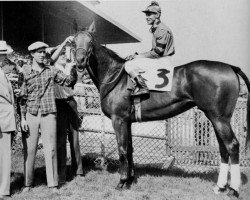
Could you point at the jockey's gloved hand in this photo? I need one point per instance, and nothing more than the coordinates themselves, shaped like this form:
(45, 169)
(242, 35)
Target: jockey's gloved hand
(131, 57)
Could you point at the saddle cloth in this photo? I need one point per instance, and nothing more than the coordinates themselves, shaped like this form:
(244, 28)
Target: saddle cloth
(158, 73)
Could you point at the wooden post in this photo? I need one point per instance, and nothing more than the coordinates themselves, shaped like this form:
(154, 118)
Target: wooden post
(43, 27)
(168, 137)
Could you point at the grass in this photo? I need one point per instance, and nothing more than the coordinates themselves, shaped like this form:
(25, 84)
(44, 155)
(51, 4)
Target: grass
(150, 184)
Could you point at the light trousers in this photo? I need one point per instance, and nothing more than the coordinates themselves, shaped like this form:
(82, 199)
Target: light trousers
(5, 163)
(47, 125)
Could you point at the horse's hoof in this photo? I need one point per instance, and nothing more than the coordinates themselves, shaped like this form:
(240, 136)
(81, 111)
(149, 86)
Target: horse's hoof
(218, 190)
(130, 182)
(131, 179)
(120, 186)
(232, 193)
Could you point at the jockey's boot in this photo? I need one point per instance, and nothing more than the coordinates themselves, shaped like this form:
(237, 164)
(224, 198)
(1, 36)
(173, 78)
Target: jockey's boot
(142, 87)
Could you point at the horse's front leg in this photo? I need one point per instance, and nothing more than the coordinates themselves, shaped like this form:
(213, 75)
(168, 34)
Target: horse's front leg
(130, 157)
(121, 130)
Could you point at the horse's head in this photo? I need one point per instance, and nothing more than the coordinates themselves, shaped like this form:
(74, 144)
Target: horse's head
(83, 41)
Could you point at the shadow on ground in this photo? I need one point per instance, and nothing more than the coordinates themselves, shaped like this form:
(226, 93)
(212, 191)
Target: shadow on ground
(151, 169)
(91, 164)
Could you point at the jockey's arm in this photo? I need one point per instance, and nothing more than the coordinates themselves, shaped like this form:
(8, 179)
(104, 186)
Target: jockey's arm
(158, 49)
(153, 53)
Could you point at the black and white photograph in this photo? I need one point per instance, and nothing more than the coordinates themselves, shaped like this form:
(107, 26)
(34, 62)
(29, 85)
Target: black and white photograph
(125, 100)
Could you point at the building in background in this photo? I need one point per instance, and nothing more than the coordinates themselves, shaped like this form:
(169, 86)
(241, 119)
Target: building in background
(211, 30)
(23, 22)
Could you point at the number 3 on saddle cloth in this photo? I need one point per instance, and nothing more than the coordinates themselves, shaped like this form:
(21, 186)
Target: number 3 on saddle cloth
(157, 73)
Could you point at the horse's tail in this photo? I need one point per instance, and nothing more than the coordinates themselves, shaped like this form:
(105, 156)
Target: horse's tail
(238, 71)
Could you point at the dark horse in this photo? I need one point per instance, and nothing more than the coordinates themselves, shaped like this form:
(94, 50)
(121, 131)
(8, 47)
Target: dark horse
(211, 86)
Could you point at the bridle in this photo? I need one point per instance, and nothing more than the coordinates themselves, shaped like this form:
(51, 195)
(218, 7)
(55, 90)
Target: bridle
(81, 50)
(86, 54)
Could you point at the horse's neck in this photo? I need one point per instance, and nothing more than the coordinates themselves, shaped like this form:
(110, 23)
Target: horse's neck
(106, 65)
(107, 70)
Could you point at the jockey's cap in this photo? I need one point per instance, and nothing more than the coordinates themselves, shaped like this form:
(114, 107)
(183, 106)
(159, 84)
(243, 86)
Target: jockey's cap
(153, 8)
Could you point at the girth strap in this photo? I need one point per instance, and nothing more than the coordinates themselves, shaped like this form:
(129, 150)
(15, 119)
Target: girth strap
(137, 104)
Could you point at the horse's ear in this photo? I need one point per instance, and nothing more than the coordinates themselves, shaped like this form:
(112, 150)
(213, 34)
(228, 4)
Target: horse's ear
(91, 28)
(75, 26)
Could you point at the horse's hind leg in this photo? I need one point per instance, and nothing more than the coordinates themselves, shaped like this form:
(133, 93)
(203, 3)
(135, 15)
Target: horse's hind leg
(229, 147)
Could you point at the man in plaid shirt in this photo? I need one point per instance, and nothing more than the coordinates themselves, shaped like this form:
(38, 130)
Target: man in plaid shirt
(162, 46)
(38, 111)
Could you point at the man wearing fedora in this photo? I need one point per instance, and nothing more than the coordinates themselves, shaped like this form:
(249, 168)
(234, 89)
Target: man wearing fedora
(38, 111)
(7, 122)
(162, 46)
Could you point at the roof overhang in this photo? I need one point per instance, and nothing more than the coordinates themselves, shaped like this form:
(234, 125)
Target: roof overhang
(108, 31)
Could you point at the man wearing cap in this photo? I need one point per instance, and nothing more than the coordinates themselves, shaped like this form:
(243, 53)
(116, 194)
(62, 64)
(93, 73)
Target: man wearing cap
(7, 122)
(38, 110)
(162, 46)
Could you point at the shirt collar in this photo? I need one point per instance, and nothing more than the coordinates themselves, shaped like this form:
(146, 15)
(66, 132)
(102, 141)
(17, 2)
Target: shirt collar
(155, 25)
(35, 66)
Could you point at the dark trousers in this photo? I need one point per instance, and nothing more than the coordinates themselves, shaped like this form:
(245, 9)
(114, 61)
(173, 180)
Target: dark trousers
(68, 123)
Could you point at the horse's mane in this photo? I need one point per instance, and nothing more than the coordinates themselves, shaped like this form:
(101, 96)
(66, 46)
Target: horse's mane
(114, 55)
(115, 71)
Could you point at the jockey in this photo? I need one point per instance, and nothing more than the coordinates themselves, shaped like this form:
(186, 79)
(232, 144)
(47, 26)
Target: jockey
(162, 46)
